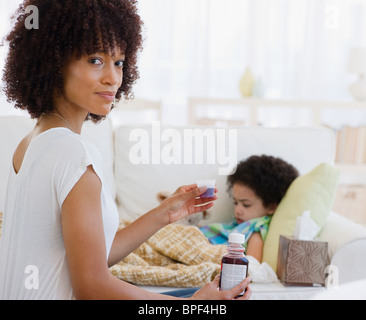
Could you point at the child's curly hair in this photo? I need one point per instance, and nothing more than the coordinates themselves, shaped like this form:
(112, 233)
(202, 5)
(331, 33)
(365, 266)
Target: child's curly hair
(267, 176)
(33, 71)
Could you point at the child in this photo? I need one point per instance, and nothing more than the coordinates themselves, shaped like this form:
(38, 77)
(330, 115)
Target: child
(257, 187)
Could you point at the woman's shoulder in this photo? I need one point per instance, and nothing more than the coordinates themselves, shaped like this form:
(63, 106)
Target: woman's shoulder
(64, 143)
(62, 138)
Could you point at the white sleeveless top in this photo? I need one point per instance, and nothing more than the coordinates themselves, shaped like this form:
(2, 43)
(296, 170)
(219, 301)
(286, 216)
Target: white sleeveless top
(33, 261)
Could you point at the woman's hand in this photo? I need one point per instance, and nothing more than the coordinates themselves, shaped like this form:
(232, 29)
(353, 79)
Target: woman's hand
(185, 201)
(210, 291)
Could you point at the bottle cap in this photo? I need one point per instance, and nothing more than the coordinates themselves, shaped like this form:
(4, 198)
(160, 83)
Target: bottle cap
(236, 237)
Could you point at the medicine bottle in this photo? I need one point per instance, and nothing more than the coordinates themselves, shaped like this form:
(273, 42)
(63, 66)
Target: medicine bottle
(234, 264)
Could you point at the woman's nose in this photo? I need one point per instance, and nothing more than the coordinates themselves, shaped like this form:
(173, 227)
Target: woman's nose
(112, 76)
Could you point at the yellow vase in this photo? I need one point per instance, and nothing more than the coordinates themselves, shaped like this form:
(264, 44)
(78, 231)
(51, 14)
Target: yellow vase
(246, 83)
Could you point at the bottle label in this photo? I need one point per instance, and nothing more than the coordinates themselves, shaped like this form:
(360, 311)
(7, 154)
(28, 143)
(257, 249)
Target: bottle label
(232, 275)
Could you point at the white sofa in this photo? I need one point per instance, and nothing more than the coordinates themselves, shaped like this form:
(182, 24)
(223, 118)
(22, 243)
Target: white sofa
(136, 184)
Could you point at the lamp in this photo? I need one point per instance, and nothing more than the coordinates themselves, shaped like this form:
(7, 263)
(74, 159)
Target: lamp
(357, 64)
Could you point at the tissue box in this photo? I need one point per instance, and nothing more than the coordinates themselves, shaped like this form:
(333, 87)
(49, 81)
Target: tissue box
(302, 262)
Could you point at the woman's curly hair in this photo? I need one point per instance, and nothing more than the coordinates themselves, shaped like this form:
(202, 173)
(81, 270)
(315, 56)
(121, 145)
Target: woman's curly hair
(33, 70)
(267, 176)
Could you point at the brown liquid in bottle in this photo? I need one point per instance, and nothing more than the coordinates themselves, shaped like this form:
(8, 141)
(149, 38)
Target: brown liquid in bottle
(235, 260)
(234, 265)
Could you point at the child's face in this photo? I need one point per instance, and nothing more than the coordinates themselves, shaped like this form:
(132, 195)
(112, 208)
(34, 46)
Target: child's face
(248, 205)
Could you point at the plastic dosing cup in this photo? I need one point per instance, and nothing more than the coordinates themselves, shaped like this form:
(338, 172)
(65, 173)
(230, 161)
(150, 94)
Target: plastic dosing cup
(210, 184)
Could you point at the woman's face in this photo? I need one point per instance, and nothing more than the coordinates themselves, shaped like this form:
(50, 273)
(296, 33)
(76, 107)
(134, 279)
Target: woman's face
(91, 83)
(248, 205)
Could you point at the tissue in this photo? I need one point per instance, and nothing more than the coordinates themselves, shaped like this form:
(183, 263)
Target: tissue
(306, 228)
(261, 272)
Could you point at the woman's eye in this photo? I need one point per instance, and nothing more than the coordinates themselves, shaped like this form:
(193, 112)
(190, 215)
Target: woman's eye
(95, 61)
(119, 63)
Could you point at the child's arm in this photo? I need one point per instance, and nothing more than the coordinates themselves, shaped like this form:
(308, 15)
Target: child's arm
(255, 246)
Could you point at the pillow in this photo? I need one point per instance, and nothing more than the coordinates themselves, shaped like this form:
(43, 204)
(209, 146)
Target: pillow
(314, 192)
(339, 231)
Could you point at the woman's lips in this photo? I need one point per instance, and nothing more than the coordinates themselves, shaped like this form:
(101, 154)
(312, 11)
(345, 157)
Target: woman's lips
(106, 95)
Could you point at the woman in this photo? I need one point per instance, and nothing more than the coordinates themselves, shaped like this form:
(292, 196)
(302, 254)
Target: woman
(60, 222)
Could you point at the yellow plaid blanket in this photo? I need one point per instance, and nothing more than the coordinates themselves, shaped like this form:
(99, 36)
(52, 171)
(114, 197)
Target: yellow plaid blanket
(177, 255)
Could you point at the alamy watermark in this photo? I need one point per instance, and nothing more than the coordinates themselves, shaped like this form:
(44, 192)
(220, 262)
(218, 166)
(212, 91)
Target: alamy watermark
(31, 281)
(332, 277)
(332, 17)
(190, 146)
(32, 20)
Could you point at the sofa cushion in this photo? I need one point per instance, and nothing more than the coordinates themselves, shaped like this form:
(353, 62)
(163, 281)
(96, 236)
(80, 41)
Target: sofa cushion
(137, 183)
(314, 192)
